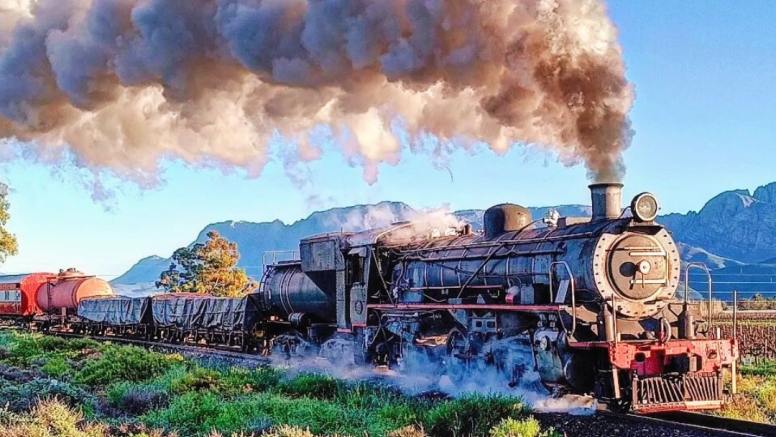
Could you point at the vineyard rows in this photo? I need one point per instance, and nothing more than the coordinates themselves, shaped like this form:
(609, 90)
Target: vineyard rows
(756, 332)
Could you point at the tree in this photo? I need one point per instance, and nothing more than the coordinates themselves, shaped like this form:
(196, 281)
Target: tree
(208, 268)
(8, 244)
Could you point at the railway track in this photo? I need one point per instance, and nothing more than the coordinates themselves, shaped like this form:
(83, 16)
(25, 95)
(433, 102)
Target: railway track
(185, 349)
(696, 423)
(687, 423)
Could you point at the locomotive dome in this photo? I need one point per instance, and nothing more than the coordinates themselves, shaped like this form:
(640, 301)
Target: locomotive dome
(503, 218)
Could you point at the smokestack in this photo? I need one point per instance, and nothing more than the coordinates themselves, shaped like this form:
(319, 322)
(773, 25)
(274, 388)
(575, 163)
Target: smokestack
(607, 201)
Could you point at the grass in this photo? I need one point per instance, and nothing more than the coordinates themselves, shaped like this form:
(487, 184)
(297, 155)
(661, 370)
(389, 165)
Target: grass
(80, 388)
(756, 397)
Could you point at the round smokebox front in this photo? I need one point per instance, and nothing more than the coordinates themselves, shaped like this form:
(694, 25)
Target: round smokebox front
(640, 269)
(637, 267)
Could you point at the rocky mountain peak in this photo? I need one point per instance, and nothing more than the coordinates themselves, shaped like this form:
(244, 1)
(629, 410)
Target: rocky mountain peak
(766, 193)
(728, 203)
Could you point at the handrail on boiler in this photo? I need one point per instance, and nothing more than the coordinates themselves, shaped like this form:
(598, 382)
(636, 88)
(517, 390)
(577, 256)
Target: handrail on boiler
(703, 267)
(274, 255)
(572, 283)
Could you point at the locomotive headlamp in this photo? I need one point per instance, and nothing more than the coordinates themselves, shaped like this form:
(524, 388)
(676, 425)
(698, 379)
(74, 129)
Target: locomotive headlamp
(644, 207)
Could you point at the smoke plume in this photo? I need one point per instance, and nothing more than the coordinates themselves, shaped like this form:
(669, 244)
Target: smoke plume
(124, 84)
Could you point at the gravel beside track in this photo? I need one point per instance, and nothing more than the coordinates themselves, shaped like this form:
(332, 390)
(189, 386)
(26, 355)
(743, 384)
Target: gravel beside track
(615, 425)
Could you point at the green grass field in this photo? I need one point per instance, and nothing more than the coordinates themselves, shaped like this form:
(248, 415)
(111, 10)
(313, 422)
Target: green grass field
(50, 386)
(756, 397)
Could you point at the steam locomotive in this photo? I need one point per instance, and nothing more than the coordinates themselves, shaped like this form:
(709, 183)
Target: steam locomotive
(588, 304)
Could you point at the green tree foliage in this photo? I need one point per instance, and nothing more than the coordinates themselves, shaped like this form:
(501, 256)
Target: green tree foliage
(8, 245)
(208, 268)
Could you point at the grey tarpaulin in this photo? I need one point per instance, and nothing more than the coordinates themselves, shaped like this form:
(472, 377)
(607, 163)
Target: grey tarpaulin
(116, 310)
(193, 311)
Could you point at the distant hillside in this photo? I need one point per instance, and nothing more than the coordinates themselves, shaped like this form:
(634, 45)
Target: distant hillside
(732, 234)
(145, 270)
(256, 239)
(735, 224)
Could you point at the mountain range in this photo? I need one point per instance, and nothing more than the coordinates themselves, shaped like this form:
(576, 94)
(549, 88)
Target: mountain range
(734, 234)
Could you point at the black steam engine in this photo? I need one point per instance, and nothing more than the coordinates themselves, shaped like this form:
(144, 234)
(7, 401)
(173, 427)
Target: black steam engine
(588, 304)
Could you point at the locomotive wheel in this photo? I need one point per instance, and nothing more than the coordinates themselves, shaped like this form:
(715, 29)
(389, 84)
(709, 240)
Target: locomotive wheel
(456, 368)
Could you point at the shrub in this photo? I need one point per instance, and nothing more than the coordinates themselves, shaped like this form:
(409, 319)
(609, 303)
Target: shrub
(192, 412)
(529, 427)
(24, 348)
(289, 431)
(15, 374)
(763, 368)
(472, 414)
(196, 380)
(136, 400)
(52, 418)
(202, 412)
(29, 349)
(256, 380)
(408, 431)
(57, 366)
(311, 385)
(23, 397)
(127, 363)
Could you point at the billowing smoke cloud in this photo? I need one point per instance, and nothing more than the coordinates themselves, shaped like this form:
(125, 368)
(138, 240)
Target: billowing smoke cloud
(125, 84)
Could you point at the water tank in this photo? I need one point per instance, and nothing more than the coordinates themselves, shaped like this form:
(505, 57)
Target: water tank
(69, 288)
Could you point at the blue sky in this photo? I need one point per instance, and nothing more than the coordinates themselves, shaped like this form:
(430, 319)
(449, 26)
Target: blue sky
(704, 116)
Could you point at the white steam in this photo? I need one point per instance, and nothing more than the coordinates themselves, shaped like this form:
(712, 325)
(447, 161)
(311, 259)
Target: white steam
(418, 375)
(386, 214)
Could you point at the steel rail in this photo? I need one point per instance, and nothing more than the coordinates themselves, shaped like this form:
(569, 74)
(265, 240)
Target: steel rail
(738, 426)
(701, 422)
(213, 351)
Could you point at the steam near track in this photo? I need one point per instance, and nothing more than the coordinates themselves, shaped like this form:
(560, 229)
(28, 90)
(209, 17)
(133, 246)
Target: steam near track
(125, 83)
(419, 376)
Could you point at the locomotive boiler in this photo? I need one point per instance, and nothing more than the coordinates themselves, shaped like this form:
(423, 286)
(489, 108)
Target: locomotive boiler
(587, 304)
